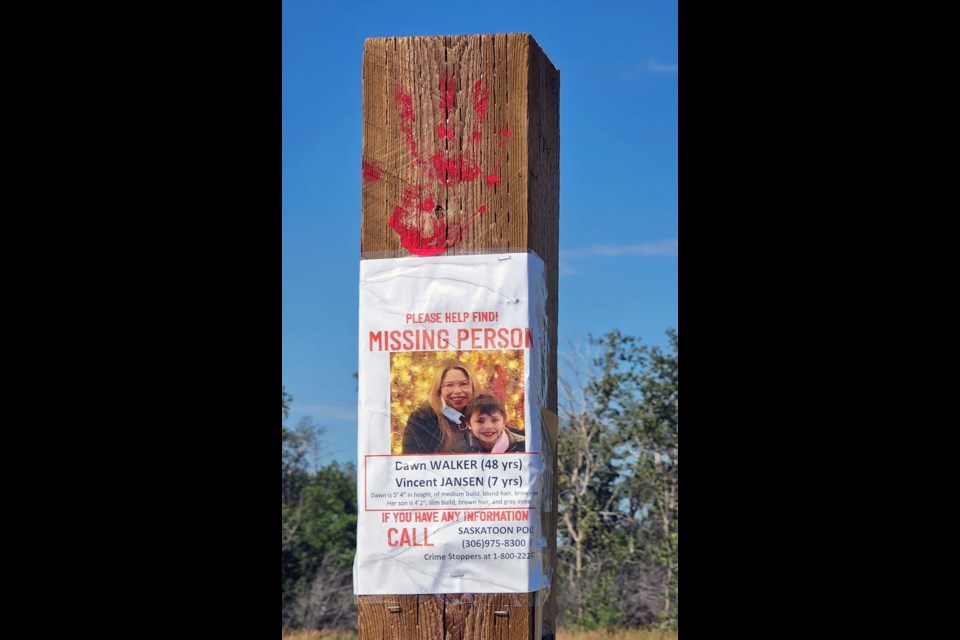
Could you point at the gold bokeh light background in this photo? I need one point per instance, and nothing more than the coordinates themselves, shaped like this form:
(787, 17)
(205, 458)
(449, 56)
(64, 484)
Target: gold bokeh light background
(411, 373)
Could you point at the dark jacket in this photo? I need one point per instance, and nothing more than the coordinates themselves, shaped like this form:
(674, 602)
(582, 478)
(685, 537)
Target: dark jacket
(422, 433)
(517, 443)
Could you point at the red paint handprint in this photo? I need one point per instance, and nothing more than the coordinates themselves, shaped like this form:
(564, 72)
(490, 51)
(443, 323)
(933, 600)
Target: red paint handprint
(419, 219)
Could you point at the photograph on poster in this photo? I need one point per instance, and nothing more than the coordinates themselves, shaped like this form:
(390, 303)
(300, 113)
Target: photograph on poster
(429, 391)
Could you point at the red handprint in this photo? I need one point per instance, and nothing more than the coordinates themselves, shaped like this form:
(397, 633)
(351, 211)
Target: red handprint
(420, 219)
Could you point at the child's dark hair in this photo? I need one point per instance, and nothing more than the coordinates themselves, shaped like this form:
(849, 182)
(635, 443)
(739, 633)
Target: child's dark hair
(485, 404)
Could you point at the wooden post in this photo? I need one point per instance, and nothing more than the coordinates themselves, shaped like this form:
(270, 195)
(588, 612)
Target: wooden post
(461, 155)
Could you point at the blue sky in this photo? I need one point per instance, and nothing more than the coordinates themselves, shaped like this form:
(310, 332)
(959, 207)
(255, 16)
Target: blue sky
(619, 234)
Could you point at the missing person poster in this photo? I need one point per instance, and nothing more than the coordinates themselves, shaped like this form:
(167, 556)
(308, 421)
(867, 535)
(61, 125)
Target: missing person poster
(451, 385)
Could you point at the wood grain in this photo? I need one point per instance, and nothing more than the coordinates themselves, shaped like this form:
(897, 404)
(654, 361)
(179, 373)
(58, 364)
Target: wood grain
(493, 185)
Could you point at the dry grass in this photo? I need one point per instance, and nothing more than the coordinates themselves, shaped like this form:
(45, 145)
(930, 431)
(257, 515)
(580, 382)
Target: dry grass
(562, 634)
(625, 634)
(318, 635)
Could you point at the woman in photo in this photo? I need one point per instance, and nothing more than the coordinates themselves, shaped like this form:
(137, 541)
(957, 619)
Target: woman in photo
(437, 425)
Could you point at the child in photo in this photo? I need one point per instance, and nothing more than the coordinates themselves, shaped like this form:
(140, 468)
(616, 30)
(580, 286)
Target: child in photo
(486, 421)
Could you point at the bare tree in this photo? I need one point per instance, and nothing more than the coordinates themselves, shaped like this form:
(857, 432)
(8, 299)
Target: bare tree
(585, 472)
(618, 468)
(328, 603)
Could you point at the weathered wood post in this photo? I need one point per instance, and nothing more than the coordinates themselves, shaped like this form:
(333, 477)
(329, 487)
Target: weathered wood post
(461, 153)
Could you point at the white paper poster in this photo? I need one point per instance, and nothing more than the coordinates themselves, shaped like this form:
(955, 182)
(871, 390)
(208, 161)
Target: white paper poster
(451, 385)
